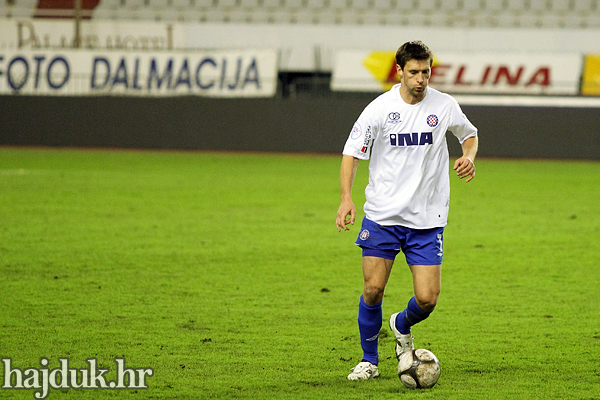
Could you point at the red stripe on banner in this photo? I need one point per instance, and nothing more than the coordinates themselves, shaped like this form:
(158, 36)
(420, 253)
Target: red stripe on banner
(45, 8)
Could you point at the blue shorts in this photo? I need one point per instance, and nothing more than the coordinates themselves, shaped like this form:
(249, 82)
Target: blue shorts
(420, 246)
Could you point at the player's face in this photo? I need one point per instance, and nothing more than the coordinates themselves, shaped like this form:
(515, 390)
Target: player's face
(415, 77)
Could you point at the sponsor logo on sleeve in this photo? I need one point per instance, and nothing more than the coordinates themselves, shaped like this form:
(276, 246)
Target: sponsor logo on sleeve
(356, 131)
(367, 140)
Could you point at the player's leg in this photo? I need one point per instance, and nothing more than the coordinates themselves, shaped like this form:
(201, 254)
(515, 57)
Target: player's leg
(423, 250)
(427, 283)
(379, 249)
(376, 272)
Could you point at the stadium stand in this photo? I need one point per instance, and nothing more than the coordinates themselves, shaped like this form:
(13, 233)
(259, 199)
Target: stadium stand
(573, 14)
(494, 6)
(21, 8)
(516, 6)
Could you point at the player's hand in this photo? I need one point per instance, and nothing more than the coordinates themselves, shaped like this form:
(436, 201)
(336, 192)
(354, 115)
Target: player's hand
(346, 215)
(465, 168)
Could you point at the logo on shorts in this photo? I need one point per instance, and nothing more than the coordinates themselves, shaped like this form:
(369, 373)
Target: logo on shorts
(432, 120)
(440, 240)
(364, 235)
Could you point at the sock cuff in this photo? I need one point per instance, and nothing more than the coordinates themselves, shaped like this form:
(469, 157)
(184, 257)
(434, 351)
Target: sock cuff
(414, 308)
(373, 307)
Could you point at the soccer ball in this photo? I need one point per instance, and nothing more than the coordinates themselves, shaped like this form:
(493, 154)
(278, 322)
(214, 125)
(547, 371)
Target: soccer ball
(418, 369)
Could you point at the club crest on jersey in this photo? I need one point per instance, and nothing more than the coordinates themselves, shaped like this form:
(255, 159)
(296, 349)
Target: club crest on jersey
(393, 118)
(432, 120)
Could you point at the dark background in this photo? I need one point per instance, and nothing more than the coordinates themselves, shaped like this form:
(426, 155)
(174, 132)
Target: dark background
(318, 124)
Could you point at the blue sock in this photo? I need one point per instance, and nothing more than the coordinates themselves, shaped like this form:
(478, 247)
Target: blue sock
(369, 325)
(410, 316)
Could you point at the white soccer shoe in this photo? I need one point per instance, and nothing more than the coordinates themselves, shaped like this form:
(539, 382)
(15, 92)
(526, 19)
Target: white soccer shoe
(404, 343)
(363, 371)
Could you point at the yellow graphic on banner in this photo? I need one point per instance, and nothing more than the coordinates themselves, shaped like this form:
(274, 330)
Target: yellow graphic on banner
(590, 84)
(382, 65)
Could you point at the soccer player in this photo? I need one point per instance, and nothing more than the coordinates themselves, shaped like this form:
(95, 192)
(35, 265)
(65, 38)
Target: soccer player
(403, 133)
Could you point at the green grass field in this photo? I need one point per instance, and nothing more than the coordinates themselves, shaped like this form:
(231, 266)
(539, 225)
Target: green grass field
(225, 274)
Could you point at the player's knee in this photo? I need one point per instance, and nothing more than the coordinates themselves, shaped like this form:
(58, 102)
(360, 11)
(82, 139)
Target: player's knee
(428, 301)
(373, 294)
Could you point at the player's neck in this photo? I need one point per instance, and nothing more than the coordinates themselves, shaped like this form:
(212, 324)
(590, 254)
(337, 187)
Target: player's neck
(409, 97)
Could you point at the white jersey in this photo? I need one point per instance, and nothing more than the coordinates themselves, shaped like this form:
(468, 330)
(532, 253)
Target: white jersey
(409, 182)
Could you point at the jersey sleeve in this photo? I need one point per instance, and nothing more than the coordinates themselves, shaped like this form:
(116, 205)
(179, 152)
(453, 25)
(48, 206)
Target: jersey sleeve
(460, 126)
(361, 136)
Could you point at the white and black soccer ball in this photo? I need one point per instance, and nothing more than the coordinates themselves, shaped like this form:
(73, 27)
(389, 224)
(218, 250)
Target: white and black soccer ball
(418, 369)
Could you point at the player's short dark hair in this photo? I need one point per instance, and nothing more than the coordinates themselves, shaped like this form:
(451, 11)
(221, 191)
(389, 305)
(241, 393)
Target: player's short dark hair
(415, 50)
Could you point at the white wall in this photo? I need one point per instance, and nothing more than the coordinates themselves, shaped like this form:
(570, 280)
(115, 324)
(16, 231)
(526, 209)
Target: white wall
(309, 48)
(302, 47)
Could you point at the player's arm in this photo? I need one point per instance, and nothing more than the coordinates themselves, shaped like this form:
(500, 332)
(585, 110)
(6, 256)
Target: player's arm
(347, 208)
(465, 166)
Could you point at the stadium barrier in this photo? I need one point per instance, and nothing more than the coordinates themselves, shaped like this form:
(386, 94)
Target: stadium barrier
(300, 124)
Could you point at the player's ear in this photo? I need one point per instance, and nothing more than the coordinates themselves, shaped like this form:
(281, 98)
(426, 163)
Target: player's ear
(399, 71)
